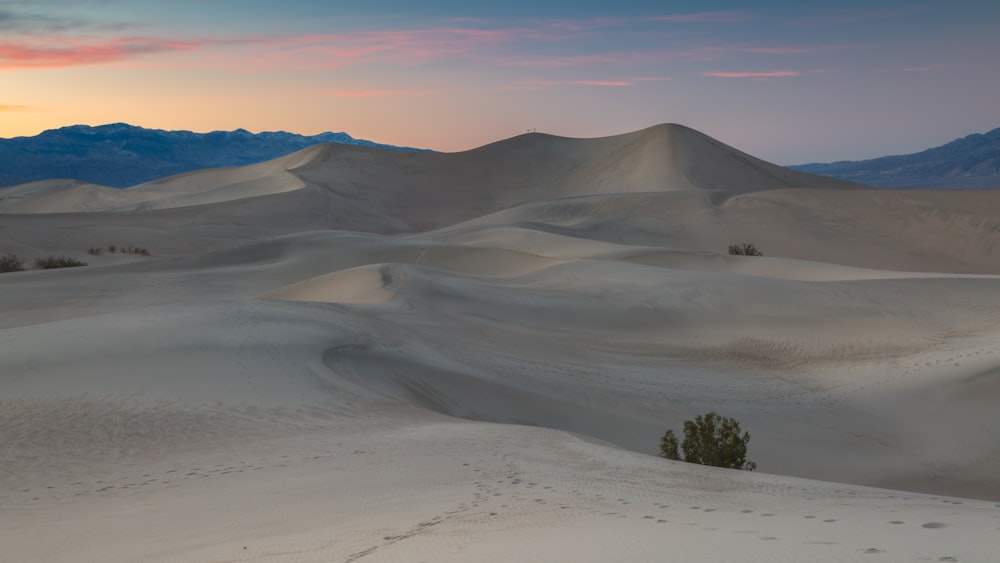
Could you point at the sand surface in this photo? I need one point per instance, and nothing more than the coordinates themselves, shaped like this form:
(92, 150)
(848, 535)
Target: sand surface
(353, 354)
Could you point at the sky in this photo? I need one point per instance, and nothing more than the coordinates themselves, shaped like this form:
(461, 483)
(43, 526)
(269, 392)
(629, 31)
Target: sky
(788, 81)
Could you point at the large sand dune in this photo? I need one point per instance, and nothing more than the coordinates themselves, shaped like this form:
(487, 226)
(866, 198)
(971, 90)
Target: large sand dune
(358, 354)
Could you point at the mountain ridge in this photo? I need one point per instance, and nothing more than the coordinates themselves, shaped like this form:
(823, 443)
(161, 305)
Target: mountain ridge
(120, 155)
(972, 161)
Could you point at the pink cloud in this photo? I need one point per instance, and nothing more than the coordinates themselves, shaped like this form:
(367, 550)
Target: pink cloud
(767, 74)
(274, 51)
(466, 40)
(9, 107)
(67, 52)
(319, 51)
(472, 41)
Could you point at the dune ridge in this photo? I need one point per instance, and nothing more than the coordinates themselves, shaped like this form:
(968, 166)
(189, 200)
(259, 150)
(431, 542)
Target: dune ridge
(357, 354)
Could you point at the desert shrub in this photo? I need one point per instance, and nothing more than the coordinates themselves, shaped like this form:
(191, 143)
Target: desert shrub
(52, 262)
(745, 249)
(95, 251)
(11, 263)
(128, 249)
(709, 439)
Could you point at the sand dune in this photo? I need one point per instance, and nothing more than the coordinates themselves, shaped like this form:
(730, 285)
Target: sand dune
(352, 354)
(66, 196)
(197, 188)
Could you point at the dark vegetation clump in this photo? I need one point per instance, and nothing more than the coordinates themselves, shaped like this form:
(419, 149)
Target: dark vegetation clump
(745, 249)
(134, 250)
(128, 250)
(53, 262)
(11, 263)
(709, 439)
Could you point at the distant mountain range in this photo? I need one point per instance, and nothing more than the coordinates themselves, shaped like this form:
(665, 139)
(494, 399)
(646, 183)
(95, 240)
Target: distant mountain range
(121, 155)
(970, 162)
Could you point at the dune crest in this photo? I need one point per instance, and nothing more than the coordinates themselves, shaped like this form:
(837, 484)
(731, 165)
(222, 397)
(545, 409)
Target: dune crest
(530, 167)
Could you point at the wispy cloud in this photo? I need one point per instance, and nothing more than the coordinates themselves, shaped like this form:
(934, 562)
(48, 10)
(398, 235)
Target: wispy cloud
(526, 43)
(62, 45)
(10, 107)
(766, 74)
(20, 55)
(394, 46)
(499, 46)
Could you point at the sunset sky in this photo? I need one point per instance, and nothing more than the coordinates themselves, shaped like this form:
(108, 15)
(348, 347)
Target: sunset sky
(788, 81)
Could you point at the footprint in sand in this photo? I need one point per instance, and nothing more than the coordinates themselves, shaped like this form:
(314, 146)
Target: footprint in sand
(872, 550)
(934, 525)
(896, 522)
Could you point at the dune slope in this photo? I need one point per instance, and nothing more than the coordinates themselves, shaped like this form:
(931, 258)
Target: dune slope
(350, 354)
